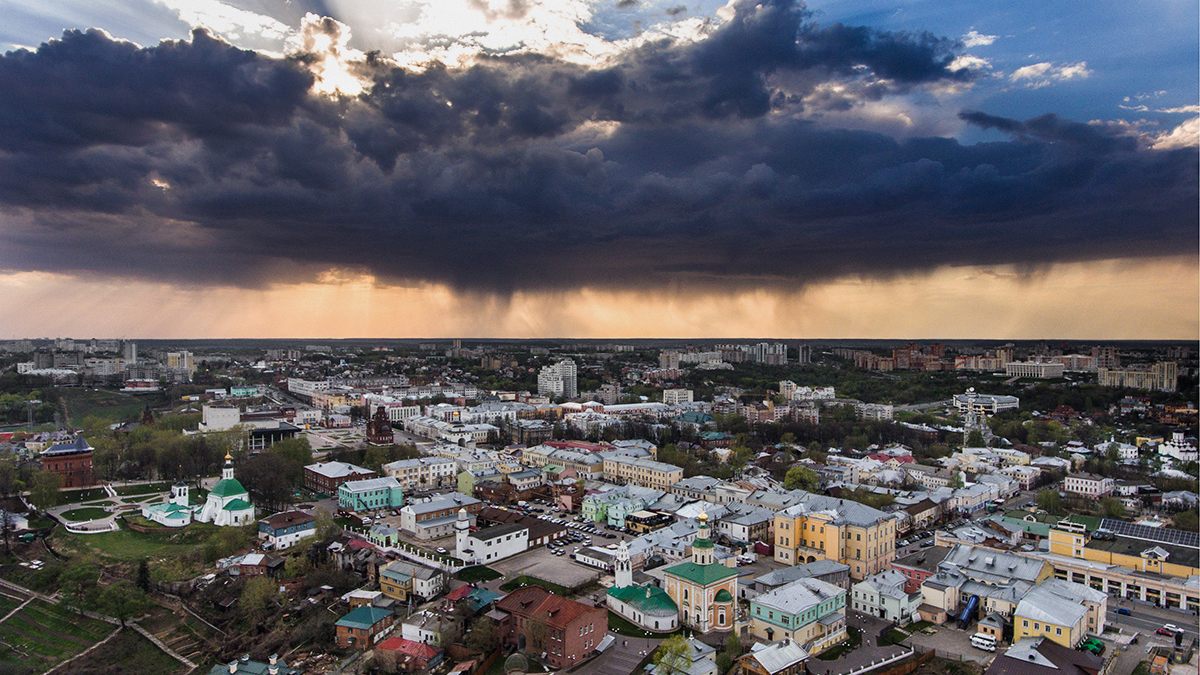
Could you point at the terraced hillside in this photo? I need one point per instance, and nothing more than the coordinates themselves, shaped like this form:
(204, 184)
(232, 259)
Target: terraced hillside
(42, 635)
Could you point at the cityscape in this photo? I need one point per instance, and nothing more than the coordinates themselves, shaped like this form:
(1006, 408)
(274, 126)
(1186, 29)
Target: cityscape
(599, 337)
(705, 507)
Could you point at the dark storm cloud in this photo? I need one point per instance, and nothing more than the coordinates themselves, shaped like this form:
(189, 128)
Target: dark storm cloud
(199, 162)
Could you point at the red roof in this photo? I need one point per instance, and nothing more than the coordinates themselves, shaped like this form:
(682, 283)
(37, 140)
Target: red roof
(358, 543)
(410, 647)
(541, 604)
(903, 459)
(578, 445)
(460, 593)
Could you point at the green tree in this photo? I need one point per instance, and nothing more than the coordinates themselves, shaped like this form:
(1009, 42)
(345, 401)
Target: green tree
(733, 645)
(43, 489)
(122, 601)
(1187, 520)
(143, 576)
(801, 478)
(77, 583)
(975, 439)
(326, 526)
(1111, 508)
(674, 655)
(258, 598)
(1050, 501)
(298, 454)
(482, 636)
(956, 479)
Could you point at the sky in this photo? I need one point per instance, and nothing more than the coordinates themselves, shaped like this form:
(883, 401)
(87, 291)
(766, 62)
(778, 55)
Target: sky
(617, 168)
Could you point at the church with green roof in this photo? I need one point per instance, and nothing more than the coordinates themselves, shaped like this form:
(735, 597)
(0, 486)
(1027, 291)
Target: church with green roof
(228, 503)
(702, 588)
(646, 606)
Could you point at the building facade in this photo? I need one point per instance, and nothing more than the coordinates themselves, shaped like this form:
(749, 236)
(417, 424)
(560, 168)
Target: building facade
(563, 632)
(704, 590)
(71, 462)
(370, 494)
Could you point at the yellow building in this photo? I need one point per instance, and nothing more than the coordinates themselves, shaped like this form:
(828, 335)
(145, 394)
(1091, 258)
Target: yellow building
(1061, 611)
(826, 528)
(642, 472)
(1151, 564)
(703, 589)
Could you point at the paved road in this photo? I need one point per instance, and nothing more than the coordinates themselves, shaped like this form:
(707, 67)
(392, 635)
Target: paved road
(1148, 618)
(912, 407)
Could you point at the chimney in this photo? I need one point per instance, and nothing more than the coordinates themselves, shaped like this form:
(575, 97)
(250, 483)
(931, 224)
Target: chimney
(233, 666)
(272, 670)
(272, 659)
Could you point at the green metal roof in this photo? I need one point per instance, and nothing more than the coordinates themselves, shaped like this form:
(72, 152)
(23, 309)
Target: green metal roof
(364, 617)
(701, 574)
(238, 505)
(228, 487)
(699, 542)
(723, 596)
(649, 599)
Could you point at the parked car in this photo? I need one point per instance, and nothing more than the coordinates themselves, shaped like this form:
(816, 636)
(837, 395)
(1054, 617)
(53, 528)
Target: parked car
(441, 550)
(1170, 632)
(1124, 610)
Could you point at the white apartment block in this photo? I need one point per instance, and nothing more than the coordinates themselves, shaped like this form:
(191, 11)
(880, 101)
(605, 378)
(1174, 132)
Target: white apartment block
(1089, 485)
(559, 379)
(677, 396)
(423, 472)
(301, 387)
(1042, 370)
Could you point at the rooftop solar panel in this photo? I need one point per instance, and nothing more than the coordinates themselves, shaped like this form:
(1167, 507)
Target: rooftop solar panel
(1164, 535)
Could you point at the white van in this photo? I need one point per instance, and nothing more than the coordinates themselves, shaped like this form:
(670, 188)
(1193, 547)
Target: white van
(984, 641)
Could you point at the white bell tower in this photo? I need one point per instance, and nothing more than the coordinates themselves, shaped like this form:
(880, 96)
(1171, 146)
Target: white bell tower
(462, 527)
(623, 570)
(179, 493)
(227, 471)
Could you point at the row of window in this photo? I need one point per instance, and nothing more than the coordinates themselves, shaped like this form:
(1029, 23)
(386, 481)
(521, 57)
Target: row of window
(1038, 626)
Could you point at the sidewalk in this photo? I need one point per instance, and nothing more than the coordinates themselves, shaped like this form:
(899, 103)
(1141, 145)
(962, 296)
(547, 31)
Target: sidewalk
(863, 655)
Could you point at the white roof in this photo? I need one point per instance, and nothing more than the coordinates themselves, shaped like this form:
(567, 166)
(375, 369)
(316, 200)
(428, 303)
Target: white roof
(337, 469)
(799, 596)
(371, 484)
(775, 656)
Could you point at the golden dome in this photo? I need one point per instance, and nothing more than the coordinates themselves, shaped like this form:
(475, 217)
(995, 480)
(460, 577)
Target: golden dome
(703, 517)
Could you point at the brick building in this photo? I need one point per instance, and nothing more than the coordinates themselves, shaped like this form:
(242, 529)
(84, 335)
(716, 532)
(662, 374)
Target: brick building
(361, 626)
(535, 620)
(71, 461)
(326, 477)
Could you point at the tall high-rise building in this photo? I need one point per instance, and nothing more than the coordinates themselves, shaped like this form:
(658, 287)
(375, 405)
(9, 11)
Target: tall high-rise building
(559, 379)
(129, 350)
(181, 362)
(669, 358)
(1106, 357)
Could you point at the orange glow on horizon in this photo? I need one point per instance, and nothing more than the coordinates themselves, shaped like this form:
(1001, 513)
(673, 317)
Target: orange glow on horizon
(1111, 300)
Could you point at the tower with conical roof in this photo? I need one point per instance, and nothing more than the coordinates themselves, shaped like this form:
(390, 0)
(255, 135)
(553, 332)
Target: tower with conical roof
(702, 546)
(623, 567)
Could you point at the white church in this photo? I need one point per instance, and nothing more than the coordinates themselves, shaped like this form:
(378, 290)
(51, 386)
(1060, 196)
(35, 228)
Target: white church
(175, 512)
(228, 503)
(647, 606)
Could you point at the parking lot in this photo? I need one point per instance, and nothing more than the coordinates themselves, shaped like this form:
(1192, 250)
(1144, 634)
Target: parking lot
(542, 563)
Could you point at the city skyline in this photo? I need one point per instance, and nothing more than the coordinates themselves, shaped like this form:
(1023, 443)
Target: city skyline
(580, 169)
